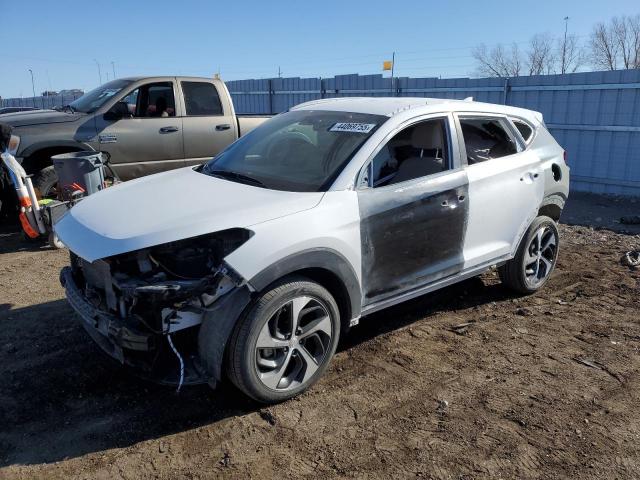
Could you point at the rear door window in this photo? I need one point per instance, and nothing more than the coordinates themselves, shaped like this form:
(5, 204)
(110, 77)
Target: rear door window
(486, 139)
(201, 99)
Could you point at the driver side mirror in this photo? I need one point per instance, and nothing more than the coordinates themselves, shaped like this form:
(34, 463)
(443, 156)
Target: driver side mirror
(119, 111)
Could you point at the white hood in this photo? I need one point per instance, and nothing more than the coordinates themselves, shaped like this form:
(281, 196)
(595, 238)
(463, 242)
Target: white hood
(167, 207)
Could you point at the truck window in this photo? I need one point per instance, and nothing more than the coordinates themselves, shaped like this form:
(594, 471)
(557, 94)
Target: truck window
(201, 99)
(486, 139)
(152, 100)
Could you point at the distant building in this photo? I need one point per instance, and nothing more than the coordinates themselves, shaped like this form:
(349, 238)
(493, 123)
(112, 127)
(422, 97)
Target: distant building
(49, 93)
(73, 91)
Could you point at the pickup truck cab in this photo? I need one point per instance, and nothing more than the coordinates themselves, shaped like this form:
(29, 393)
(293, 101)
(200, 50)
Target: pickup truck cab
(298, 231)
(146, 124)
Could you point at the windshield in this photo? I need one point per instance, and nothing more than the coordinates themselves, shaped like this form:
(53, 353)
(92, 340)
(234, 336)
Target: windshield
(302, 151)
(90, 102)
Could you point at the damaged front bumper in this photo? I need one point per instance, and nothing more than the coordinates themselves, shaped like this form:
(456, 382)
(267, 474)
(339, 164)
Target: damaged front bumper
(147, 308)
(111, 333)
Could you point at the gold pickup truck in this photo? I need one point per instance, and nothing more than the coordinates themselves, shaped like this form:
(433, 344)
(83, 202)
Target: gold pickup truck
(146, 124)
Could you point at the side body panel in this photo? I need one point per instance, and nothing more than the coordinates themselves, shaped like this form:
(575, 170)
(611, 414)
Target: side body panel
(504, 197)
(332, 227)
(412, 233)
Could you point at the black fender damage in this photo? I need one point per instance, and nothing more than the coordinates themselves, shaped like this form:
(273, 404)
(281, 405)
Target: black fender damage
(216, 329)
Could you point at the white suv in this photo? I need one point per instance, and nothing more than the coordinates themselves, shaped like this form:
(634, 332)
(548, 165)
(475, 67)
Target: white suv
(254, 263)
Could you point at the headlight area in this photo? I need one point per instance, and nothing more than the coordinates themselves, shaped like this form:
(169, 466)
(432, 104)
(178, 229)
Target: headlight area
(138, 298)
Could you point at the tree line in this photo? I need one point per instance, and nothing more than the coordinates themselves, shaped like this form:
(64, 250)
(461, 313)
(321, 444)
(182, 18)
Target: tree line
(610, 46)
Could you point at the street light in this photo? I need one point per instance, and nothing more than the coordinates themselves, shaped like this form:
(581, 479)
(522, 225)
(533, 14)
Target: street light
(113, 69)
(99, 71)
(563, 67)
(33, 88)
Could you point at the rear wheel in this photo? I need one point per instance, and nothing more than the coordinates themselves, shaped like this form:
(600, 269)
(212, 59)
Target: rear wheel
(536, 258)
(285, 342)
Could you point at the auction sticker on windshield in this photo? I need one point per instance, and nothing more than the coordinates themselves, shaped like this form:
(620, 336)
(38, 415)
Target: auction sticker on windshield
(352, 127)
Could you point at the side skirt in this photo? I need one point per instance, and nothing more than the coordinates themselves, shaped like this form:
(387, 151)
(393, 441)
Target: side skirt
(389, 302)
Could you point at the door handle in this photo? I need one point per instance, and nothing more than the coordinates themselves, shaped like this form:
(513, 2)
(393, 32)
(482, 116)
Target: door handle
(530, 176)
(169, 129)
(224, 126)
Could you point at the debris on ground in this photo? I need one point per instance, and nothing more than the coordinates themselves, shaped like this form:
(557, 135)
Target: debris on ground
(442, 406)
(631, 258)
(267, 416)
(461, 328)
(599, 366)
(226, 460)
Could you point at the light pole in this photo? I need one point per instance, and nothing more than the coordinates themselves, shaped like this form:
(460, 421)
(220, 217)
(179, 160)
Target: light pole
(99, 71)
(113, 69)
(564, 46)
(33, 88)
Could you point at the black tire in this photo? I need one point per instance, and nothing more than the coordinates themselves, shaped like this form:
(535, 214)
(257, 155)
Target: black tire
(243, 355)
(45, 182)
(514, 274)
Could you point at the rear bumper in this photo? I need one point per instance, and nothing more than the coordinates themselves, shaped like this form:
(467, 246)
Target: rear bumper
(111, 333)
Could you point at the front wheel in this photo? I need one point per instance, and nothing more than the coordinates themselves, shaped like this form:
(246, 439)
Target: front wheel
(535, 259)
(285, 342)
(45, 183)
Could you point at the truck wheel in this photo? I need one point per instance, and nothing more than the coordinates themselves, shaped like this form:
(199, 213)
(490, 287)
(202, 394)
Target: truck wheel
(285, 341)
(45, 182)
(535, 259)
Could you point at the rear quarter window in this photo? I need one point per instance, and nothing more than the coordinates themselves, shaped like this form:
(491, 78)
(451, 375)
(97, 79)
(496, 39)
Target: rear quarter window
(525, 130)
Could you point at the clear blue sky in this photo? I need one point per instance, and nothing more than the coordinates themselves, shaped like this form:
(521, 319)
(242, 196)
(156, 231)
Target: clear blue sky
(59, 40)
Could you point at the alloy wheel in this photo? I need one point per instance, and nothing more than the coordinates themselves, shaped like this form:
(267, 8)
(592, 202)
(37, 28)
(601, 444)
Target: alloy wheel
(540, 256)
(293, 343)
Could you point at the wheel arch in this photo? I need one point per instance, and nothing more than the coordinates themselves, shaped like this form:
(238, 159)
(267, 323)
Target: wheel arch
(38, 156)
(552, 206)
(324, 266)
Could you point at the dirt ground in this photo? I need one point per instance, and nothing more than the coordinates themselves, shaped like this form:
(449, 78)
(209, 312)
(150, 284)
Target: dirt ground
(546, 386)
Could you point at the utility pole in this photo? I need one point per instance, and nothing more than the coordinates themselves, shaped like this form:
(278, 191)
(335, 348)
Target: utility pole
(279, 72)
(113, 69)
(564, 46)
(33, 88)
(99, 71)
(393, 65)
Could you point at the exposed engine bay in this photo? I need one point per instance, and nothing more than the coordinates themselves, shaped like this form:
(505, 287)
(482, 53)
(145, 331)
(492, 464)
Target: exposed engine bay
(138, 298)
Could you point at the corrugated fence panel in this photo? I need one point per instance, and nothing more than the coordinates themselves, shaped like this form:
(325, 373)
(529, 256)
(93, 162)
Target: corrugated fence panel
(50, 101)
(595, 116)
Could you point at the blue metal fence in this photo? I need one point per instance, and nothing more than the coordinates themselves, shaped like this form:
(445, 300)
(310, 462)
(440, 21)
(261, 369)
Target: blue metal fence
(595, 116)
(50, 101)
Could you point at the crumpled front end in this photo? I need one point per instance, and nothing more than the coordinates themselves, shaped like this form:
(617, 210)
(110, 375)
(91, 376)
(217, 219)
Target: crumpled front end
(144, 308)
